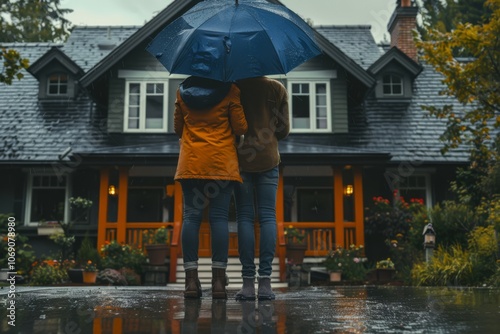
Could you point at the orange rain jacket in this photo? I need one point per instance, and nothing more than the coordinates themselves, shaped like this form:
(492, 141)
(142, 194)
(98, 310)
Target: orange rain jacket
(208, 117)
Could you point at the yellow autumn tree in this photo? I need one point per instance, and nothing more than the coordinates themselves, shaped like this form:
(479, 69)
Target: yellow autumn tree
(468, 57)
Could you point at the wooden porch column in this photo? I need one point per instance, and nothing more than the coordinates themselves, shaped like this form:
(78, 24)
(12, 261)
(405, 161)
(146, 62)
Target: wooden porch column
(280, 218)
(103, 208)
(121, 222)
(338, 195)
(176, 233)
(359, 216)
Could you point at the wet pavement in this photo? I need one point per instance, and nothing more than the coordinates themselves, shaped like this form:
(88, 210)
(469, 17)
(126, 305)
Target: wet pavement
(324, 309)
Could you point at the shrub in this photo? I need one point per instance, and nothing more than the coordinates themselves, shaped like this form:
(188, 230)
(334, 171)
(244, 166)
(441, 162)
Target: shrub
(48, 272)
(117, 256)
(458, 266)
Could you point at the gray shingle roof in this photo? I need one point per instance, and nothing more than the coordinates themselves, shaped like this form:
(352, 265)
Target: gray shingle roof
(83, 44)
(34, 131)
(357, 42)
(407, 131)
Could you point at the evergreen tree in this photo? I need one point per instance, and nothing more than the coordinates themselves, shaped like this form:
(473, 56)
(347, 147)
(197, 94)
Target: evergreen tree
(28, 21)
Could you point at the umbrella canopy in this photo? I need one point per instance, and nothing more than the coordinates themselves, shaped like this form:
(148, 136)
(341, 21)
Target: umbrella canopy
(228, 40)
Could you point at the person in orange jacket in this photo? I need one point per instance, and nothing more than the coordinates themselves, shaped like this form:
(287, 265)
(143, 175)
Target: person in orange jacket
(208, 117)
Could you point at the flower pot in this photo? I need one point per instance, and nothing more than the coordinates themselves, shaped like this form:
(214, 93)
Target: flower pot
(385, 274)
(335, 276)
(75, 275)
(157, 254)
(295, 253)
(89, 276)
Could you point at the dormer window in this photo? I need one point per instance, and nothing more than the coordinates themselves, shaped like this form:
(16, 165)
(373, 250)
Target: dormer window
(392, 85)
(57, 84)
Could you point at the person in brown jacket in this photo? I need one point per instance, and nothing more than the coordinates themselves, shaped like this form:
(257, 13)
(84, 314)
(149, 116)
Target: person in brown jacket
(265, 102)
(208, 117)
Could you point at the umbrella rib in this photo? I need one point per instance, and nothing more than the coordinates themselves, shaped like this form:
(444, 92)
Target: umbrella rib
(274, 48)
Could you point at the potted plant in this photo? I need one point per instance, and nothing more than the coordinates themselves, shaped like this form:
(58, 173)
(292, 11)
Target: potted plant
(89, 272)
(385, 270)
(156, 243)
(348, 261)
(86, 252)
(296, 245)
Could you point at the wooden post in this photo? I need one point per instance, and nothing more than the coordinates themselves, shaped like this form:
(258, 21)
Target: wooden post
(103, 208)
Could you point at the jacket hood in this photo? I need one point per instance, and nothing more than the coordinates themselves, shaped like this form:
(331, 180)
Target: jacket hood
(201, 93)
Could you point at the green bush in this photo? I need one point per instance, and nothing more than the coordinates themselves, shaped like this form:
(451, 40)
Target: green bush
(453, 221)
(48, 272)
(458, 266)
(117, 256)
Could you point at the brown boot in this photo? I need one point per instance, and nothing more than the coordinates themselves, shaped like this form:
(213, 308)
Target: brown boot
(219, 283)
(192, 285)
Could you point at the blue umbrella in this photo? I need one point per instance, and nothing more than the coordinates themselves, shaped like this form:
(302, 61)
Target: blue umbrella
(228, 40)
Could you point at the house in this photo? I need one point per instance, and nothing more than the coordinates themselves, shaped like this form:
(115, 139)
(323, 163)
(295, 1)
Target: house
(94, 118)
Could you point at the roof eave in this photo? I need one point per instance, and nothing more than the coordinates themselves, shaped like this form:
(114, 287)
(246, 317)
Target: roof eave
(156, 23)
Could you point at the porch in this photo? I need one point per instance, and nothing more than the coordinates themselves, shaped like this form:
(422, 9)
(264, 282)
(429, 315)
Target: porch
(327, 206)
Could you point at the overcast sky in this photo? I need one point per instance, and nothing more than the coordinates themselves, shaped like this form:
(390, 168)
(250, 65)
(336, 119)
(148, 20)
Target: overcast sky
(322, 12)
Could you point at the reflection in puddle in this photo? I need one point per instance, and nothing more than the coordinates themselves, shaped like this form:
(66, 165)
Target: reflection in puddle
(308, 310)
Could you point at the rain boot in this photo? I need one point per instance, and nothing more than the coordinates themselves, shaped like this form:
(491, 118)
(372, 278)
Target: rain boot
(192, 285)
(219, 282)
(264, 292)
(247, 292)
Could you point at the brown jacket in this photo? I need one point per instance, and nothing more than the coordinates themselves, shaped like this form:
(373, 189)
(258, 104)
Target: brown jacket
(265, 102)
(207, 141)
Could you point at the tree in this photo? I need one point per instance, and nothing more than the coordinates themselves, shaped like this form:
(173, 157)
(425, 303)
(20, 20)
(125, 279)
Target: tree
(475, 83)
(28, 21)
(445, 15)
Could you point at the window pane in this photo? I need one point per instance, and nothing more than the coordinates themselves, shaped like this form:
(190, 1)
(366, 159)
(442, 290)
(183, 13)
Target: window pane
(321, 112)
(386, 79)
(396, 90)
(53, 89)
(320, 89)
(321, 123)
(321, 100)
(47, 204)
(154, 112)
(300, 112)
(133, 111)
(133, 123)
(134, 100)
(63, 89)
(387, 90)
(150, 88)
(135, 89)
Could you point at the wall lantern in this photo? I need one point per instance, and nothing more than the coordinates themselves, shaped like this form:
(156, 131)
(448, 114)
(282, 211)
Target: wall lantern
(112, 190)
(348, 190)
(429, 241)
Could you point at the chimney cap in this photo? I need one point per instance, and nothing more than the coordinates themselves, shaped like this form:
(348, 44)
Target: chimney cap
(400, 12)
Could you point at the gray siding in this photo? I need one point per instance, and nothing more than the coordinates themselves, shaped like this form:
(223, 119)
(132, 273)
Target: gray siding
(339, 104)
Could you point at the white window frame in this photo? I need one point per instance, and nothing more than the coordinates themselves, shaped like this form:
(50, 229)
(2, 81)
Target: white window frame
(58, 84)
(312, 78)
(142, 106)
(29, 195)
(392, 84)
(428, 187)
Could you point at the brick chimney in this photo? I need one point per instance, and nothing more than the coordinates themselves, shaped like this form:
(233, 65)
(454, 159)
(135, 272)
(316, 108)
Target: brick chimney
(401, 25)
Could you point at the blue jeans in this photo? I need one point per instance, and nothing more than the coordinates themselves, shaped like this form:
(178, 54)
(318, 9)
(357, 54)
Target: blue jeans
(198, 194)
(257, 189)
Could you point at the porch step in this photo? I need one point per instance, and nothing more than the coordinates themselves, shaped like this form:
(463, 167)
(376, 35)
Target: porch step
(233, 271)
